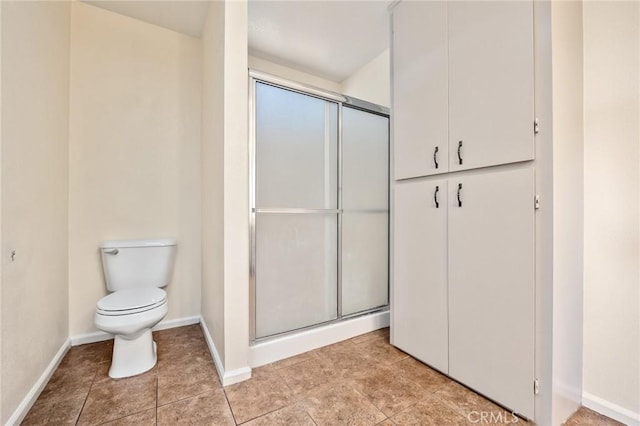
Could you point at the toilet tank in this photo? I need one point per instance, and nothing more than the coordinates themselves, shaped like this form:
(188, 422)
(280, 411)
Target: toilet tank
(137, 263)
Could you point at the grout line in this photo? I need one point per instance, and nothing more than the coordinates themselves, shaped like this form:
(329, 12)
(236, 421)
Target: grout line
(233, 415)
(95, 374)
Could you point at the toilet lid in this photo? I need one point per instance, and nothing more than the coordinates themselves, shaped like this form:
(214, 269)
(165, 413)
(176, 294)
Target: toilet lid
(132, 298)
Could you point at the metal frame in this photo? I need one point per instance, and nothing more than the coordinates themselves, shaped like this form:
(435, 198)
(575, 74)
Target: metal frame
(340, 100)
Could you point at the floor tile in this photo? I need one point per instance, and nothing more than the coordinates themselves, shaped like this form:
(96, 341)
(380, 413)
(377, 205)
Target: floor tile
(305, 376)
(69, 382)
(389, 392)
(265, 392)
(102, 374)
(288, 362)
(346, 359)
(185, 378)
(144, 418)
(382, 333)
(381, 351)
(209, 408)
(341, 405)
(293, 415)
(587, 417)
(88, 355)
(119, 398)
(60, 412)
(359, 381)
(429, 379)
(465, 401)
(429, 411)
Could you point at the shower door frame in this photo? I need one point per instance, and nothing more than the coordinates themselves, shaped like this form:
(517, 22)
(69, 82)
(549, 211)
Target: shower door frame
(256, 77)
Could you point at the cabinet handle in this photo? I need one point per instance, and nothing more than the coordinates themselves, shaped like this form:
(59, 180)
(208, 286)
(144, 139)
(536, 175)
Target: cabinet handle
(459, 152)
(435, 197)
(435, 157)
(459, 199)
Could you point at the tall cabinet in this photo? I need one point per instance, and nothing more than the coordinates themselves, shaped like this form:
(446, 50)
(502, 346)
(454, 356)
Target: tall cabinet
(464, 212)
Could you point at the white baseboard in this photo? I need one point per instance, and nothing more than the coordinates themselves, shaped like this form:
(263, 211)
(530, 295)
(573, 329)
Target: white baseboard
(610, 409)
(100, 336)
(307, 340)
(21, 411)
(226, 377)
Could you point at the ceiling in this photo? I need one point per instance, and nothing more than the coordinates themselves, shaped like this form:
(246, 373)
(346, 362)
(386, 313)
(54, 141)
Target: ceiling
(331, 39)
(184, 16)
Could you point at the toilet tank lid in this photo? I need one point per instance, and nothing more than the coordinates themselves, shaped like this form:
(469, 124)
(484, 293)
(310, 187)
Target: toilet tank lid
(138, 243)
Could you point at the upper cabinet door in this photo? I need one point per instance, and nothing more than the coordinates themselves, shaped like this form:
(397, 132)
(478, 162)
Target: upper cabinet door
(420, 125)
(490, 83)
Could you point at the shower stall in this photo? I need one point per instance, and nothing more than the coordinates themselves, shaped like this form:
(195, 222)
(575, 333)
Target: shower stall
(319, 207)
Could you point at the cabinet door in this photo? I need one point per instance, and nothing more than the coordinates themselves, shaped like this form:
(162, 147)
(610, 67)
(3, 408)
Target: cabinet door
(420, 89)
(490, 83)
(491, 285)
(420, 271)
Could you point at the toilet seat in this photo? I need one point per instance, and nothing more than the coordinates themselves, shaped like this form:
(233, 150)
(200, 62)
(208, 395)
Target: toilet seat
(131, 301)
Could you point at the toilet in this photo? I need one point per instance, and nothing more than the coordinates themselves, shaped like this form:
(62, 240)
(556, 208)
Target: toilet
(135, 272)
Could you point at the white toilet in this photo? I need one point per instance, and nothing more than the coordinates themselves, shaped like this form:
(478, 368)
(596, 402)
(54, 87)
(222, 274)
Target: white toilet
(134, 272)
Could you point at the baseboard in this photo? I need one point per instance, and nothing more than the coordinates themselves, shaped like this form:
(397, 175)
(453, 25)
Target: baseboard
(100, 336)
(307, 340)
(226, 377)
(610, 409)
(21, 411)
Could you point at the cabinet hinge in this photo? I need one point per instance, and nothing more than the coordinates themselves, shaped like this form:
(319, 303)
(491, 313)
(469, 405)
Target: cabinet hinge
(536, 386)
(536, 126)
(536, 201)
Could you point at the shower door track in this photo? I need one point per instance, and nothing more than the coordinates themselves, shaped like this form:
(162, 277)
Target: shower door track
(340, 100)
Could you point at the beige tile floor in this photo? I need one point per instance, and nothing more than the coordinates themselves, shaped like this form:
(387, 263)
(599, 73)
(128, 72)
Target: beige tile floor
(362, 381)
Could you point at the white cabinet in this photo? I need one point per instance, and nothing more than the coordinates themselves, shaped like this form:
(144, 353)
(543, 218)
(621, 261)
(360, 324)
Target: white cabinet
(490, 83)
(463, 282)
(420, 271)
(462, 85)
(420, 89)
(491, 285)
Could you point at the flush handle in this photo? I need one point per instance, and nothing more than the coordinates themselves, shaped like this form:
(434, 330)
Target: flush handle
(112, 251)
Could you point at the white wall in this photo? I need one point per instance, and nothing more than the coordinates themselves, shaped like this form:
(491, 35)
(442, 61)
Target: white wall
(212, 174)
(35, 123)
(134, 153)
(236, 188)
(612, 206)
(259, 64)
(568, 204)
(225, 288)
(372, 82)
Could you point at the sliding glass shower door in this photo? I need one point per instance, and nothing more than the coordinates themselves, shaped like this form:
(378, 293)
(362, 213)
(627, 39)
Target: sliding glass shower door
(312, 263)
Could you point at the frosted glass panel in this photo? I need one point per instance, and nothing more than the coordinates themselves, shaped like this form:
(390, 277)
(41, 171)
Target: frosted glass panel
(296, 150)
(365, 267)
(365, 202)
(296, 271)
(365, 160)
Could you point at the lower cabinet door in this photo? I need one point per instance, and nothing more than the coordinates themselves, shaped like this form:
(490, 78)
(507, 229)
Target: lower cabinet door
(491, 285)
(419, 304)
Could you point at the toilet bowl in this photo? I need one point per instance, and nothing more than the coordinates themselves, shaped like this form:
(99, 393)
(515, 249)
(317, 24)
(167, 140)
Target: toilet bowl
(134, 272)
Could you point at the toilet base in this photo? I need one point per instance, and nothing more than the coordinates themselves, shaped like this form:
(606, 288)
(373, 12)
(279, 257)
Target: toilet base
(133, 355)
